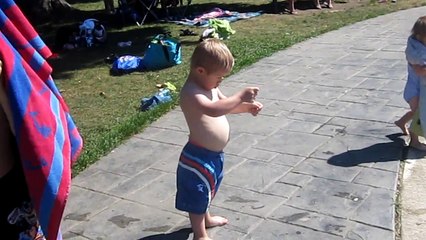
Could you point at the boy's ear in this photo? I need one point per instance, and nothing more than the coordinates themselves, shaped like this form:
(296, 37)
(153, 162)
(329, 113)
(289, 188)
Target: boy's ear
(200, 70)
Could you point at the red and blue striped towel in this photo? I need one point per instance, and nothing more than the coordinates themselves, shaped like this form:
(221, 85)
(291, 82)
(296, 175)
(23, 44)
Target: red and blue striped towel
(47, 137)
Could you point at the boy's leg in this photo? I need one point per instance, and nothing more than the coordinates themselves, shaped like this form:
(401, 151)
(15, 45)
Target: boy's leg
(414, 103)
(415, 143)
(416, 131)
(402, 122)
(214, 221)
(198, 225)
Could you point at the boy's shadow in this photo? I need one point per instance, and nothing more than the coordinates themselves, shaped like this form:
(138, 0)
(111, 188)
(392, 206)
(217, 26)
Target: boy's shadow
(182, 234)
(381, 152)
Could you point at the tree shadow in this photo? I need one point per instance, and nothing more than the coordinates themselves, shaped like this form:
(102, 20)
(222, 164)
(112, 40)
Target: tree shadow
(82, 1)
(95, 56)
(305, 5)
(277, 7)
(381, 152)
(181, 234)
(83, 58)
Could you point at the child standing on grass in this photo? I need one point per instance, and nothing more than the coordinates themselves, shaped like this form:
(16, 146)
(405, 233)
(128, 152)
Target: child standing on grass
(416, 57)
(200, 168)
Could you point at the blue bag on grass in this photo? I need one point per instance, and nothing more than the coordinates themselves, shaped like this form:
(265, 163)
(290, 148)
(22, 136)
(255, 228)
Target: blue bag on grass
(126, 64)
(162, 52)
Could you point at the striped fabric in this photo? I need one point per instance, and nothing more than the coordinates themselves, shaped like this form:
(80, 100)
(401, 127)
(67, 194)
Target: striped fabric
(47, 137)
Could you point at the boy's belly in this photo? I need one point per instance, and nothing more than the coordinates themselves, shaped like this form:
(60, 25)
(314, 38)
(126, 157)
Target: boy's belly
(211, 133)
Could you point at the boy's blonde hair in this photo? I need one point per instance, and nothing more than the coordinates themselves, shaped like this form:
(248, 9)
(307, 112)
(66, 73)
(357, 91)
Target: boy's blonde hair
(212, 55)
(419, 28)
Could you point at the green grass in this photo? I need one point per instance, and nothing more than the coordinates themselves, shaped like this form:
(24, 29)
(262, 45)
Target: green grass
(105, 108)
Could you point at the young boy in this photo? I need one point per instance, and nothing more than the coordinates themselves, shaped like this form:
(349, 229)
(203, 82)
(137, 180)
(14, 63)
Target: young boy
(200, 168)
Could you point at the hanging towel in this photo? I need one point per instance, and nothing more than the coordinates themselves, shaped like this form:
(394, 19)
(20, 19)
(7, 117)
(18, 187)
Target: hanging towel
(47, 138)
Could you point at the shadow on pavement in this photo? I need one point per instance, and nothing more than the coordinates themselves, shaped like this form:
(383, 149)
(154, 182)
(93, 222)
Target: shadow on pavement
(181, 234)
(381, 152)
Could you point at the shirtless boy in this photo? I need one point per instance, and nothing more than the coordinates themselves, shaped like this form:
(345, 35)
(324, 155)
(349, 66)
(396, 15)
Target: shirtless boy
(200, 168)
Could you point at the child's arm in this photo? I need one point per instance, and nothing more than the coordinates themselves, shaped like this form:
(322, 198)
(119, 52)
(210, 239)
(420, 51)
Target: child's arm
(420, 70)
(253, 107)
(225, 104)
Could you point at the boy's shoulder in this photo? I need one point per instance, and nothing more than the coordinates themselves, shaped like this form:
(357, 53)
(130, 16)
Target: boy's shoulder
(191, 88)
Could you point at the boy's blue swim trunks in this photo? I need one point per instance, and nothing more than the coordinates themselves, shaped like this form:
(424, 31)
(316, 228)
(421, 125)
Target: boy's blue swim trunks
(199, 174)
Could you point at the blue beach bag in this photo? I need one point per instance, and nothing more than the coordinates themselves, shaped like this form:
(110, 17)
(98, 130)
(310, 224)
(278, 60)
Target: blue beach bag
(126, 64)
(163, 51)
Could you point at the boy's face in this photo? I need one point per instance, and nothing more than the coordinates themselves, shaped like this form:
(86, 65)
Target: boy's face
(212, 80)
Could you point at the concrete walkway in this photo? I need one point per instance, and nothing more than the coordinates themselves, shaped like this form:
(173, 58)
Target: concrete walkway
(320, 162)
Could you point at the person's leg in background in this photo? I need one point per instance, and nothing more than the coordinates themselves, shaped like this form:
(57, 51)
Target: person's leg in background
(291, 8)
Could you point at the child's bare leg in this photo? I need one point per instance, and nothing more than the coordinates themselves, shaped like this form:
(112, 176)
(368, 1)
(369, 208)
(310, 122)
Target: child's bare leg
(291, 7)
(402, 122)
(329, 3)
(415, 143)
(215, 221)
(317, 4)
(414, 103)
(198, 225)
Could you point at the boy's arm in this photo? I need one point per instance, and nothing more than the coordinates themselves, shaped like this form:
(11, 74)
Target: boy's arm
(222, 106)
(217, 108)
(420, 70)
(244, 107)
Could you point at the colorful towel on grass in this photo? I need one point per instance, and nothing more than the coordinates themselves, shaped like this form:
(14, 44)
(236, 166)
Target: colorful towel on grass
(203, 19)
(47, 137)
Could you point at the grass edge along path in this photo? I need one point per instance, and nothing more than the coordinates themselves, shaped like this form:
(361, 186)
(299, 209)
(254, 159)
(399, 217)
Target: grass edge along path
(97, 145)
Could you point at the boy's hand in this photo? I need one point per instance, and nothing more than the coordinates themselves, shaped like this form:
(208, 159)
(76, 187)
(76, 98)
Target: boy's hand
(249, 94)
(254, 107)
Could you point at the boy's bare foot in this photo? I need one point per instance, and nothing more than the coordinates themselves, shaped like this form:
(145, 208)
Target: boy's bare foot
(403, 127)
(207, 238)
(215, 221)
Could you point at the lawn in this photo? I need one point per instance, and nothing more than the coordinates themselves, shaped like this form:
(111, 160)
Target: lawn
(106, 108)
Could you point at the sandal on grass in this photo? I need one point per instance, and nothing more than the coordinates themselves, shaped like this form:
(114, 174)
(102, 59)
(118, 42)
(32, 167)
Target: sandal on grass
(187, 32)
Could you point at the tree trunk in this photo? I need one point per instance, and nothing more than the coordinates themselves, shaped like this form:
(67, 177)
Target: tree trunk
(109, 6)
